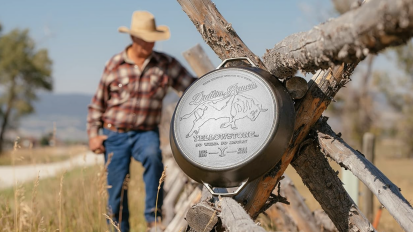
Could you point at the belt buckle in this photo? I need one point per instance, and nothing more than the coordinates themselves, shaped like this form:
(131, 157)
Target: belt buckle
(111, 127)
(120, 130)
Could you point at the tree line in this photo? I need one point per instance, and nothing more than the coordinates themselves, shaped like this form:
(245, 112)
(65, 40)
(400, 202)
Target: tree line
(24, 71)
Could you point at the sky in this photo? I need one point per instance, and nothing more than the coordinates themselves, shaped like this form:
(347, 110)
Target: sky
(82, 35)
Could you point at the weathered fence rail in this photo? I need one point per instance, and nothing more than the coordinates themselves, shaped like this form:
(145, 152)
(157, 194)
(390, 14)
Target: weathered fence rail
(327, 188)
(348, 38)
(368, 29)
(386, 191)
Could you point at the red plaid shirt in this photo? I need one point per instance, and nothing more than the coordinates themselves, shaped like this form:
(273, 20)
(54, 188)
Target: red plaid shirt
(128, 97)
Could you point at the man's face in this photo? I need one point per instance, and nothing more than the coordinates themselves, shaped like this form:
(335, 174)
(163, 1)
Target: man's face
(141, 47)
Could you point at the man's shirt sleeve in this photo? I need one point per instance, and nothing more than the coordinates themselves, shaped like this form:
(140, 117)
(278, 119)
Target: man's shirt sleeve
(181, 78)
(97, 107)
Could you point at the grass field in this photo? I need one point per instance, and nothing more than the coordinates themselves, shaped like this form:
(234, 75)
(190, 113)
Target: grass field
(72, 201)
(76, 200)
(40, 155)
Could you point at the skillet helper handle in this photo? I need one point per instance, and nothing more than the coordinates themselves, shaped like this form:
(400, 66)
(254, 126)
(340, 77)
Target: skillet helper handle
(237, 58)
(210, 189)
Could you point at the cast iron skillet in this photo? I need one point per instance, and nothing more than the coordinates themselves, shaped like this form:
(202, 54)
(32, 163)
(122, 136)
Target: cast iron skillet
(231, 126)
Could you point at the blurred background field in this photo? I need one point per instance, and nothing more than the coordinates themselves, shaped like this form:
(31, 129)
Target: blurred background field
(74, 201)
(41, 155)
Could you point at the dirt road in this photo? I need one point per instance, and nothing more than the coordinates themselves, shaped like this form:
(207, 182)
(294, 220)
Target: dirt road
(23, 173)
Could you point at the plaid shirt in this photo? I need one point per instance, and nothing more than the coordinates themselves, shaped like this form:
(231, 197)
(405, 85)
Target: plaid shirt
(130, 98)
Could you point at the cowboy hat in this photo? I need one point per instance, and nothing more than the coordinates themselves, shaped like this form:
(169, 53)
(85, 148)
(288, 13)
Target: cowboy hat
(143, 26)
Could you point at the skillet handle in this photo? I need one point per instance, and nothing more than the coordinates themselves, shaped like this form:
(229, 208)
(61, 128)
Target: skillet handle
(237, 58)
(209, 187)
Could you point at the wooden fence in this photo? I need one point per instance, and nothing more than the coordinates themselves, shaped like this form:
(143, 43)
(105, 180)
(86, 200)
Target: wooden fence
(331, 51)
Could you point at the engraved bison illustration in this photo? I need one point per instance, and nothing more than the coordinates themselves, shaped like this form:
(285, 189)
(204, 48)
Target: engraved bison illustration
(233, 107)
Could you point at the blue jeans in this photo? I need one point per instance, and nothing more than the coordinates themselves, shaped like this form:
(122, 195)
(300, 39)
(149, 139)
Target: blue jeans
(143, 146)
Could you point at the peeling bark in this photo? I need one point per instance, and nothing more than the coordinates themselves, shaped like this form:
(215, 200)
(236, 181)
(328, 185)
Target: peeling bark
(202, 217)
(216, 31)
(368, 29)
(234, 218)
(328, 190)
(386, 191)
(323, 87)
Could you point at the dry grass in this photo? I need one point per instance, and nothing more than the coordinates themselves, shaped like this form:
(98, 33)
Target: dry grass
(397, 170)
(76, 200)
(24, 156)
(72, 201)
(114, 224)
(161, 180)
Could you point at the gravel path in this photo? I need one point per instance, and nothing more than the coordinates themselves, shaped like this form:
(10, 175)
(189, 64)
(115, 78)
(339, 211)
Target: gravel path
(24, 173)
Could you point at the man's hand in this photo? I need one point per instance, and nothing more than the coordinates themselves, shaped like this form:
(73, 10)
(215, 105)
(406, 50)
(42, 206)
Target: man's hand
(96, 144)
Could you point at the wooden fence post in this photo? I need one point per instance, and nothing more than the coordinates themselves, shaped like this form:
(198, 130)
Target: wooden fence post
(198, 60)
(351, 184)
(386, 191)
(368, 151)
(222, 38)
(327, 188)
(297, 208)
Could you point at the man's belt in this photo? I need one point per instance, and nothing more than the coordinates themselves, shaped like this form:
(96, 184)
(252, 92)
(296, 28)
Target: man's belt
(112, 127)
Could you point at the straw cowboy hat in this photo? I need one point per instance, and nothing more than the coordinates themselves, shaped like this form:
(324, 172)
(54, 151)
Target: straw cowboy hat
(143, 26)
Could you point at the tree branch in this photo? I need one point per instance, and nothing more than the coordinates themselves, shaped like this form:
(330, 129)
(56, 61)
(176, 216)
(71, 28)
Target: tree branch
(216, 31)
(370, 28)
(322, 89)
(234, 218)
(327, 189)
(386, 191)
(297, 208)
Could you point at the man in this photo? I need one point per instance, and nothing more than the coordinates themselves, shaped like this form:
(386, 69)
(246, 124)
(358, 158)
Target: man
(128, 106)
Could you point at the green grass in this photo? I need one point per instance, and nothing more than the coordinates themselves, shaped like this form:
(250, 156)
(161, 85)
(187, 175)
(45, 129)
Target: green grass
(72, 201)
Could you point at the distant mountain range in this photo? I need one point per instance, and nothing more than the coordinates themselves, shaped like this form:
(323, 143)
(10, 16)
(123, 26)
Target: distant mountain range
(68, 111)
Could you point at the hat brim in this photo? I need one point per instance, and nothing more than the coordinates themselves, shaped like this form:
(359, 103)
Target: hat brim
(161, 33)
